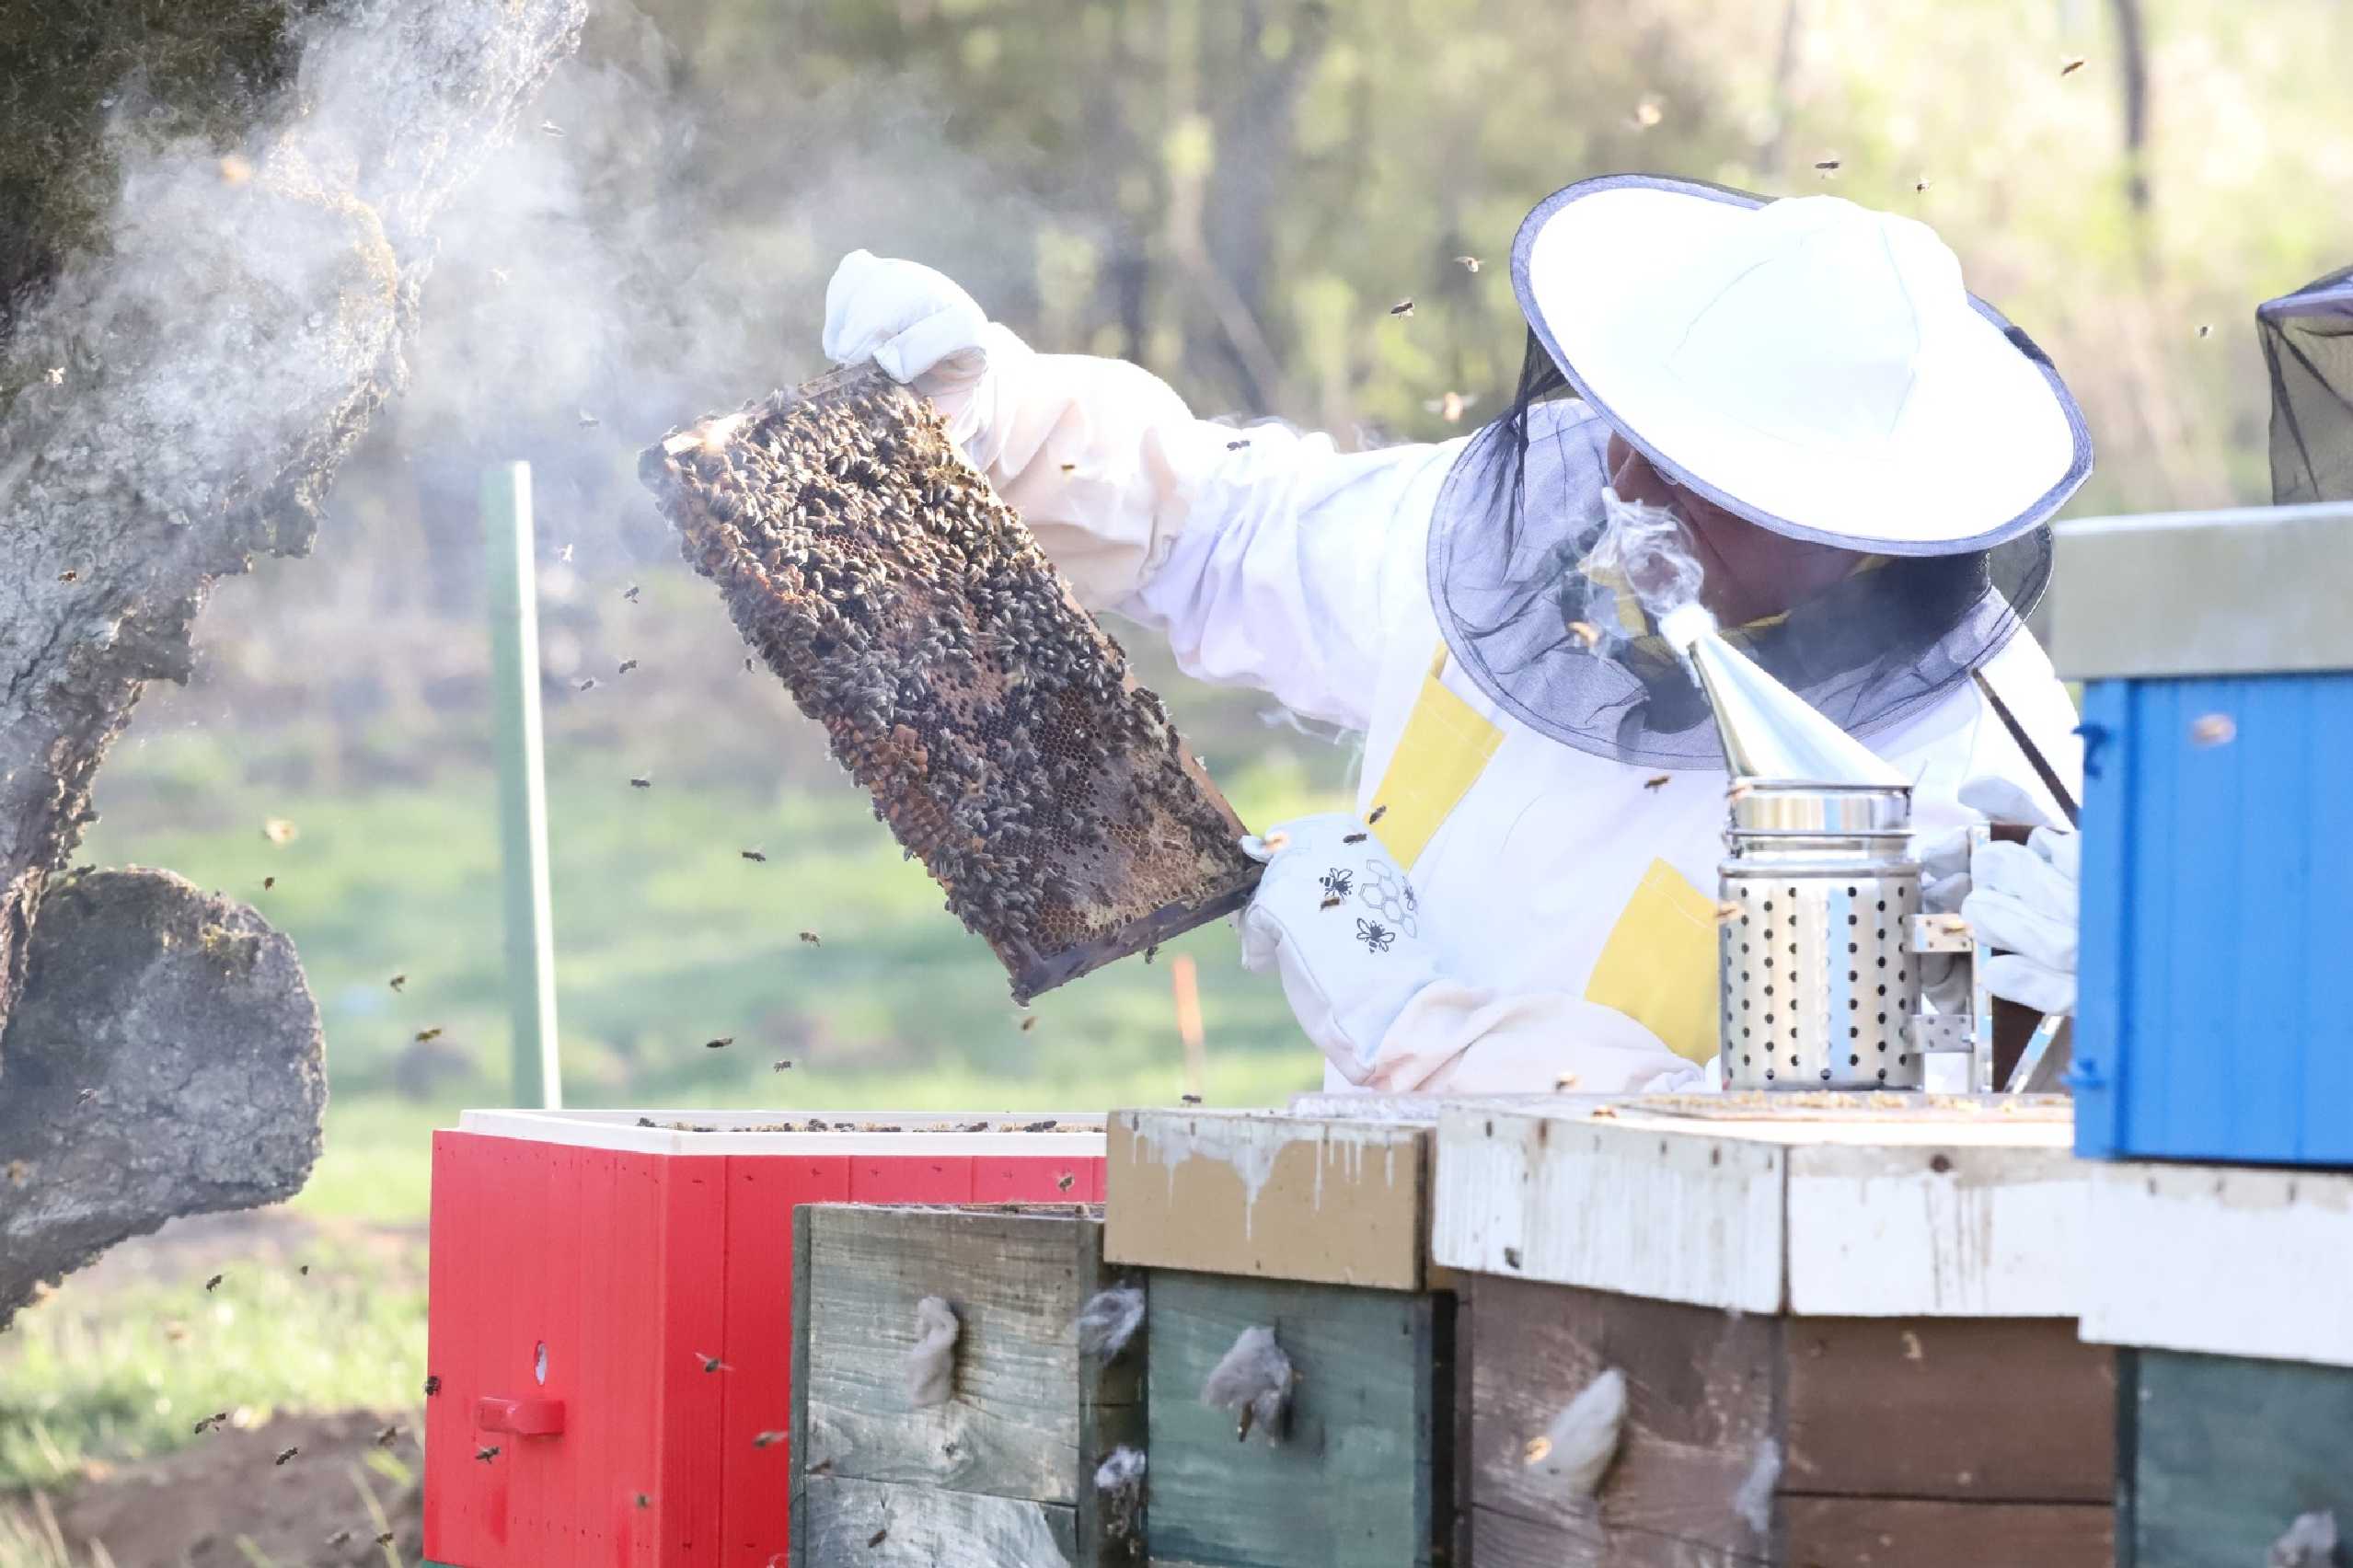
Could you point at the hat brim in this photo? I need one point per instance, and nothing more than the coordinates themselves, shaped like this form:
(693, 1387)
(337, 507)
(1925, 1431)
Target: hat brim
(1989, 448)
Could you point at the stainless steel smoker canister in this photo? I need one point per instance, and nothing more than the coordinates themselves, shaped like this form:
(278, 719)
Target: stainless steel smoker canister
(1818, 982)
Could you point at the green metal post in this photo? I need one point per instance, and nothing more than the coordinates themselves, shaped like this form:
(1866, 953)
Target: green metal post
(522, 796)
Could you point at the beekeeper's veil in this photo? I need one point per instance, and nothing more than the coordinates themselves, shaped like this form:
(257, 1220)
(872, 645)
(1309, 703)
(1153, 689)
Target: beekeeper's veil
(2308, 344)
(1807, 364)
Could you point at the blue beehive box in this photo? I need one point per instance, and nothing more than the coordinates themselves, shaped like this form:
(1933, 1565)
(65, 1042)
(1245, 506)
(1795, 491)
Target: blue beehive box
(2216, 650)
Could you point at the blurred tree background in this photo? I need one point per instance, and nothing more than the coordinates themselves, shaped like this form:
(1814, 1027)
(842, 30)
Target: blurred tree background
(1233, 192)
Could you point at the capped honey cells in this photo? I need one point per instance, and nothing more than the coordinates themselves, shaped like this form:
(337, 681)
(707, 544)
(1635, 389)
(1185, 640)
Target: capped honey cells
(998, 727)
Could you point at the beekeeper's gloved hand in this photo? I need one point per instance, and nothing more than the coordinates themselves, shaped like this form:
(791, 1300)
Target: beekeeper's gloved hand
(2020, 897)
(1341, 924)
(921, 329)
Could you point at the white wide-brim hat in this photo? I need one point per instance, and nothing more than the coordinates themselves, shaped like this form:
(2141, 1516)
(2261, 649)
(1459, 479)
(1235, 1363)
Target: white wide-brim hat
(1810, 364)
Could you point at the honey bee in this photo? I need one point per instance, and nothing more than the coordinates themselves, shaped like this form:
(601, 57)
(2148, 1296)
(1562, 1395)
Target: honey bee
(1566, 1081)
(550, 128)
(214, 1283)
(1332, 900)
(2072, 63)
(1919, 185)
(433, 1384)
(643, 1501)
(1377, 812)
(487, 1452)
(339, 1538)
(589, 683)
(1656, 782)
(268, 882)
(1586, 633)
(1062, 1183)
(757, 857)
(1402, 307)
(721, 1043)
(1354, 838)
(712, 1363)
(56, 375)
(810, 938)
(1189, 1099)
(767, 1439)
(398, 981)
(588, 420)
(878, 1538)
(1535, 1451)
(1825, 167)
(1468, 263)
(1451, 406)
(385, 1538)
(2205, 330)
(1646, 114)
(1726, 912)
(631, 593)
(427, 1036)
(389, 1436)
(564, 554)
(68, 575)
(627, 665)
(2213, 729)
(279, 831)
(289, 1452)
(1276, 843)
(782, 1066)
(640, 783)
(1029, 1023)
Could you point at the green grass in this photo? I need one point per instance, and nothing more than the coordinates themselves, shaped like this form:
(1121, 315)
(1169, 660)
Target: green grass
(108, 1371)
(667, 937)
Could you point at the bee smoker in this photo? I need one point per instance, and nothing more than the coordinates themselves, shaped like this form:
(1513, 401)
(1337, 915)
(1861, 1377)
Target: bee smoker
(1819, 984)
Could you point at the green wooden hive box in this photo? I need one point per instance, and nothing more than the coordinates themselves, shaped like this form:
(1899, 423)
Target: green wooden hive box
(1001, 1473)
(1317, 1228)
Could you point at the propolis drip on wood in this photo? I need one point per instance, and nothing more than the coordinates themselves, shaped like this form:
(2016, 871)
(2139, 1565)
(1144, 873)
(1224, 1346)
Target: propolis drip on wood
(998, 727)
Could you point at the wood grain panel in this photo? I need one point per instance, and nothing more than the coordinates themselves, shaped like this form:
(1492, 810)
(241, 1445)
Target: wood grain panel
(1883, 1532)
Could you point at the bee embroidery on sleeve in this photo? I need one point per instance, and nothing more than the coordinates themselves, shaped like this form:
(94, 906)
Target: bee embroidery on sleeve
(1337, 881)
(1375, 937)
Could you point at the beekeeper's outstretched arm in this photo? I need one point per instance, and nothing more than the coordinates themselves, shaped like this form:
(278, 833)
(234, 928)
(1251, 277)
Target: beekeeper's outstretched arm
(1267, 558)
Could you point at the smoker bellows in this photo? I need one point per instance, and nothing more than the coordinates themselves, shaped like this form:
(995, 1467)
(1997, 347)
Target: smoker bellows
(998, 726)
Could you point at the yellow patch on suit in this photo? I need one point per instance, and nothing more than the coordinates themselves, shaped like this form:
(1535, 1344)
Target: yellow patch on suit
(1445, 747)
(1659, 965)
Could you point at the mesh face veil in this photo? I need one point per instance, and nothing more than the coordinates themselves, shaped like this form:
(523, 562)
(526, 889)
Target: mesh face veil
(2307, 346)
(1518, 520)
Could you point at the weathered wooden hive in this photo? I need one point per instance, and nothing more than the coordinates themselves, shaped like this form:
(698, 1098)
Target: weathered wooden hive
(1000, 728)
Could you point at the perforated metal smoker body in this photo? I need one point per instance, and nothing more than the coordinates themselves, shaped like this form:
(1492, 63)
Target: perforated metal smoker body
(1816, 976)
(998, 726)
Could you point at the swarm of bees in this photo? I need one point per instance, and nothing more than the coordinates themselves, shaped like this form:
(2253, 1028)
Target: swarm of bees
(999, 729)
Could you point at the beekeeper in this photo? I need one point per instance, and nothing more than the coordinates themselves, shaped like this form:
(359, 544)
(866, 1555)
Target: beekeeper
(1866, 458)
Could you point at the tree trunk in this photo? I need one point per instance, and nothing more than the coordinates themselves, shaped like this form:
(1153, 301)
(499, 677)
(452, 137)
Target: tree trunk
(2133, 51)
(180, 397)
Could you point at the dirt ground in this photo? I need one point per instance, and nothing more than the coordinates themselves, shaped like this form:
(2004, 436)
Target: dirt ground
(199, 1508)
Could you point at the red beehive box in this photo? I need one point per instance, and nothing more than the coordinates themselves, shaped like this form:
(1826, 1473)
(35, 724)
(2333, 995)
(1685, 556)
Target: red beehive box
(585, 1267)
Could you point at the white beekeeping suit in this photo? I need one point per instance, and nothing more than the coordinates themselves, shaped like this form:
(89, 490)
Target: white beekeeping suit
(1518, 902)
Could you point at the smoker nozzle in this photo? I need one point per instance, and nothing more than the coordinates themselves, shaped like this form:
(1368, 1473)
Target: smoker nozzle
(1769, 732)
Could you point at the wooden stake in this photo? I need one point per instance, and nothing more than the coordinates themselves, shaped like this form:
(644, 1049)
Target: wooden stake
(1188, 1021)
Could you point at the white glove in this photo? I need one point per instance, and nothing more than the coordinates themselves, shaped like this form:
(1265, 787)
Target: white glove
(921, 329)
(1341, 924)
(2020, 897)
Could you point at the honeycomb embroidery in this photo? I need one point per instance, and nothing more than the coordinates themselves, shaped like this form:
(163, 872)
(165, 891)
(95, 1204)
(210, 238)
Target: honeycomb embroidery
(1386, 893)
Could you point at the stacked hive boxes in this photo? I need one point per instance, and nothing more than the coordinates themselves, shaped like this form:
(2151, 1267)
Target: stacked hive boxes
(2214, 1063)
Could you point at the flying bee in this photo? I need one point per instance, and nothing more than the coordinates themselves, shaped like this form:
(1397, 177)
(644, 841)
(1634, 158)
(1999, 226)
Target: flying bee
(878, 1538)
(268, 882)
(68, 575)
(1726, 912)
(398, 981)
(589, 683)
(1029, 1023)
(340, 1536)
(433, 1384)
(2072, 63)
(487, 1452)
(1825, 167)
(1646, 114)
(1062, 1183)
(1377, 812)
(1402, 307)
(757, 857)
(810, 938)
(784, 1065)
(767, 1439)
(587, 419)
(206, 1423)
(640, 783)
(1356, 839)
(385, 1439)
(1586, 633)
(1566, 1081)
(214, 1283)
(1656, 782)
(279, 831)
(386, 1538)
(721, 1043)
(1535, 1451)
(1236, 445)
(289, 1452)
(712, 1363)
(2204, 330)
(1332, 900)
(1468, 263)
(1189, 1099)
(631, 593)
(1276, 843)
(1451, 406)
(564, 554)
(1071, 468)
(1919, 185)
(643, 1501)
(427, 1036)
(550, 128)
(627, 665)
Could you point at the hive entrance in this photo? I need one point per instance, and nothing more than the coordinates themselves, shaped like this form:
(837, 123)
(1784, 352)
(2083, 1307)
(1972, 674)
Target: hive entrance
(997, 727)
